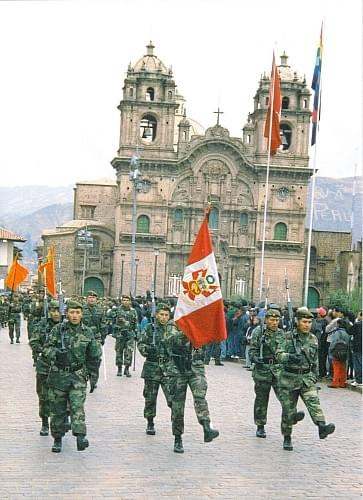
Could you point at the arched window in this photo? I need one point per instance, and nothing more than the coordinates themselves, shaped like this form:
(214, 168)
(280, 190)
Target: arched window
(131, 92)
(312, 258)
(148, 126)
(243, 219)
(143, 224)
(214, 218)
(170, 94)
(286, 133)
(285, 103)
(150, 94)
(280, 232)
(94, 250)
(178, 215)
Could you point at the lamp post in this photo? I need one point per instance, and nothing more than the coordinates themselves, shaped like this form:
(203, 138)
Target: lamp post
(122, 272)
(133, 176)
(85, 241)
(136, 267)
(156, 254)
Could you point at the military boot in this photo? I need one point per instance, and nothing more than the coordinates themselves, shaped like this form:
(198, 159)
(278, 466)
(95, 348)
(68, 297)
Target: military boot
(260, 432)
(44, 431)
(57, 445)
(299, 415)
(82, 442)
(119, 370)
(325, 429)
(209, 433)
(178, 444)
(11, 340)
(127, 372)
(150, 429)
(17, 340)
(287, 445)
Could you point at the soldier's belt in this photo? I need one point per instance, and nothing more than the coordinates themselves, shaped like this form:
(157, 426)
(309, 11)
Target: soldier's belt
(70, 369)
(298, 371)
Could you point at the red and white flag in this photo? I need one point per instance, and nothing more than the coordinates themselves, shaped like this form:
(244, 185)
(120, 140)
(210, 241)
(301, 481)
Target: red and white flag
(199, 312)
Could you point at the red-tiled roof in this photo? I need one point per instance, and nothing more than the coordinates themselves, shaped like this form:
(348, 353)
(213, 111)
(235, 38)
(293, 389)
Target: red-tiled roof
(5, 234)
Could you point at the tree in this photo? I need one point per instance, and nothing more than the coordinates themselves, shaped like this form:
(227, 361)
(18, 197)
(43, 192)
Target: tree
(350, 301)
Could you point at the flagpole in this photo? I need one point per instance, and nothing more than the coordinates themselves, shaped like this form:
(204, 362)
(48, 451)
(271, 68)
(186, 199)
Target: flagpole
(271, 104)
(353, 203)
(12, 286)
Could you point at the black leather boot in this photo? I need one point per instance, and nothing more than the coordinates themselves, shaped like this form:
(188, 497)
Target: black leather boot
(209, 433)
(127, 372)
(178, 444)
(287, 445)
(150, 429)
(260, 432)
(82, 442)
(119, 371)
(44, 431)
(57, 445)
(299, 415)
(325, 429)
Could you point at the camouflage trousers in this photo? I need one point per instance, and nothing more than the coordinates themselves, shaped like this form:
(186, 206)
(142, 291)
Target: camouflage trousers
(58, 400)
(42, 391)
(14, 326)
(311, 400)
(178, 390)
(150, 393)
(262, 391)
(124, 349)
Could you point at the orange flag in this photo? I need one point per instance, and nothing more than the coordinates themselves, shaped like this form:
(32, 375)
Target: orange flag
(274, 107)
(49, 272)
(16, 274)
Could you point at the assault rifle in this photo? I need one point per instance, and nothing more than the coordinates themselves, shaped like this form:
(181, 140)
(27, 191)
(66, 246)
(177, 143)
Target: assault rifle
(291, 316)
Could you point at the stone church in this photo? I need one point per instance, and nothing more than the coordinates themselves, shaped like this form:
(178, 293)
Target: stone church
(168, 169)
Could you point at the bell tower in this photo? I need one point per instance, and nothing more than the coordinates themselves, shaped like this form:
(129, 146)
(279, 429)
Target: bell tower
(148, 108)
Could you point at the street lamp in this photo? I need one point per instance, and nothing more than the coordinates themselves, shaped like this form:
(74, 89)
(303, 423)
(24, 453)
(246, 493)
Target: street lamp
(134, 176)
(85, 241)
(136, 267)
(122, 272)
(156, 253)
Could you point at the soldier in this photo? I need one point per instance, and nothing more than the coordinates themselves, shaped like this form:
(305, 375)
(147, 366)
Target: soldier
(298, 354)
(74, 357)
(262, 350)
(153, 347)
(93, 317)
(186, 368)
(14, 317)
(125, 331)
(39, 337)
(4, 311)
(35, 311)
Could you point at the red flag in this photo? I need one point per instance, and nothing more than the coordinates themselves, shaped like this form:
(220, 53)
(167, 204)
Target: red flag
(48, 269)
(16, 274)
(199, 312)
(274, 107)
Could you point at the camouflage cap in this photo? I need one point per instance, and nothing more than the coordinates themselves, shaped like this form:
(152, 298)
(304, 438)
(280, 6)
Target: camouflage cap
(73, 304)
(125, 296)
(272, 313)
(303, 312)
(162, 306)
(92, 293)
(53, 304)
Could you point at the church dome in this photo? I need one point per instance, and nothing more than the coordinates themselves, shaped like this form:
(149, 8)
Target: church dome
(150, 63)
(285, 72)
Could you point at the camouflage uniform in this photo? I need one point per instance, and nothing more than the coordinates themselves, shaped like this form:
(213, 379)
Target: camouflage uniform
(35, 311)
(155, 366)
(94, 318)
(14, 317)
(72, 362)
(186, 368)
(125, 332)
(4, 311)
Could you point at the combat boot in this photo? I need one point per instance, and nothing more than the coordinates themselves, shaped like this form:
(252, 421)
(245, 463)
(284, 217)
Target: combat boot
(178, 444)
(218, 363)
(260, 432)
(57, 445)
(209, 433)
(287, 445)
(82, 442)
(17, 340)
(119, 371)
(299, 415)
(150, 429)
(127, 372)
(11, 340)
(44, 431)
(67, 423)
(325, 429)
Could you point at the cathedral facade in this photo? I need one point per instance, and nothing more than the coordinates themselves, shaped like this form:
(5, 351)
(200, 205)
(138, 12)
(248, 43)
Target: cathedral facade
(151, 213)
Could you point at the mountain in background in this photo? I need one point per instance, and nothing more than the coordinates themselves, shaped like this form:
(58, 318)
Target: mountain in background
(28, 210)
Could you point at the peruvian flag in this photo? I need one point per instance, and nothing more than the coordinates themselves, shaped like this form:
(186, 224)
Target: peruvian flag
(199, 312)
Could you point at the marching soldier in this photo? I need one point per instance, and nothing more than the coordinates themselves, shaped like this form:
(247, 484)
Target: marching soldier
(186, 368)
(4, 310)
(74, 357)
(93, 316)
(152, 345)
(298, 354)
(38, 339)
(14, 318)
(262, 351)
(35, 311)
(125, 332)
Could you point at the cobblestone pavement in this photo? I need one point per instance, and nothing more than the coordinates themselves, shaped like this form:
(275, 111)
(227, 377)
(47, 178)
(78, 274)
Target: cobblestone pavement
(122, 462)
